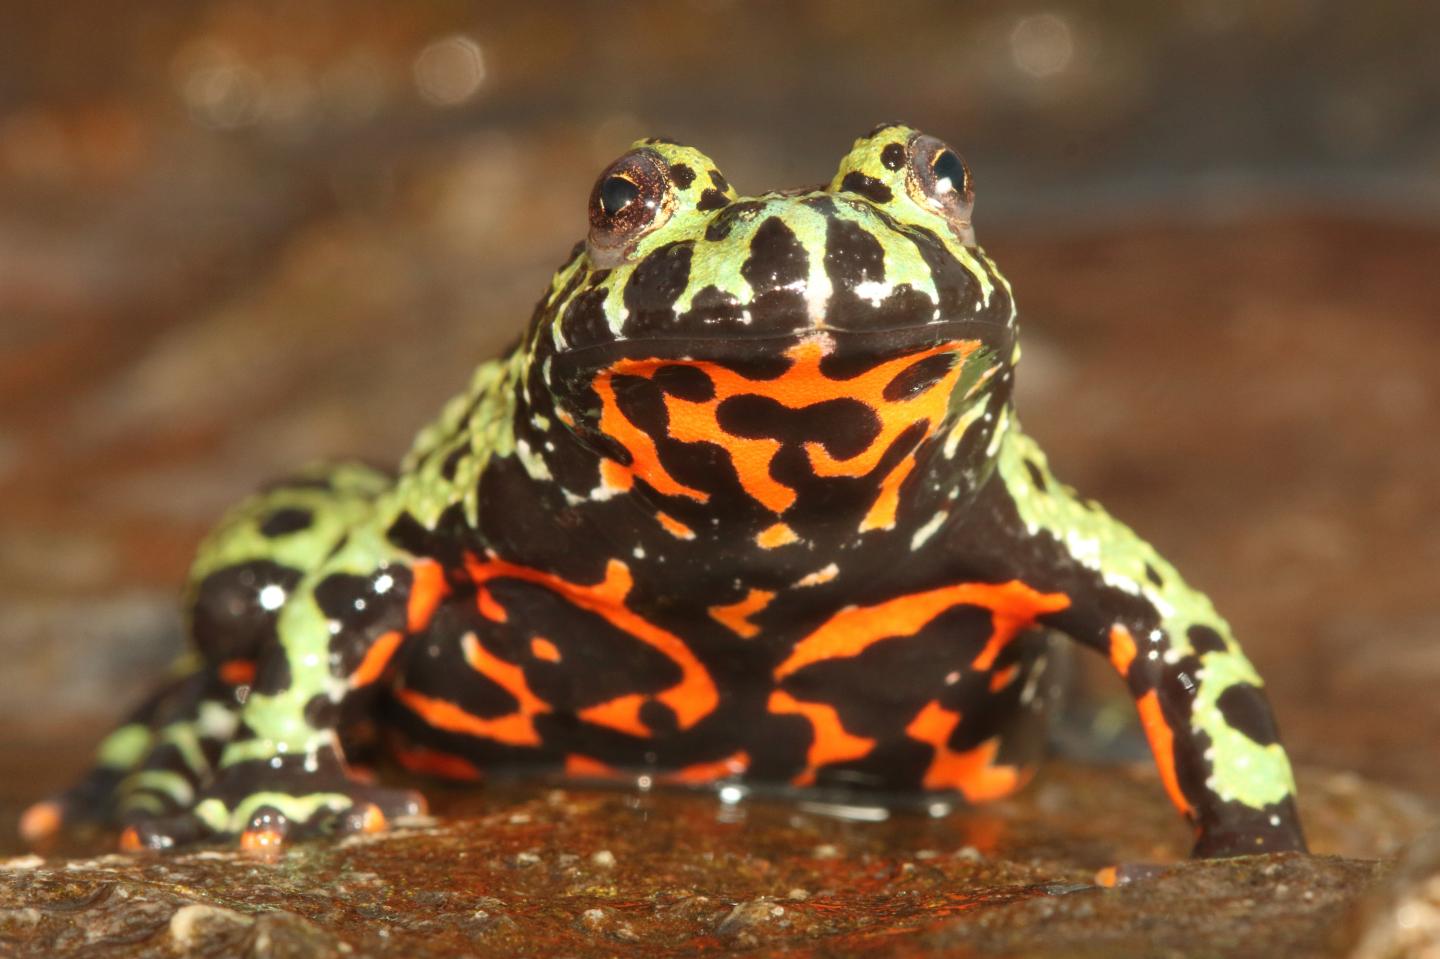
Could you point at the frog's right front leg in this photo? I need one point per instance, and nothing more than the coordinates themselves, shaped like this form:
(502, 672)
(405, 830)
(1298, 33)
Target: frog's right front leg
(285, 773)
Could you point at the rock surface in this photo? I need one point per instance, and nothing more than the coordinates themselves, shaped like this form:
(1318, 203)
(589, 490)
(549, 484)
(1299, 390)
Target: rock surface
(530, 870)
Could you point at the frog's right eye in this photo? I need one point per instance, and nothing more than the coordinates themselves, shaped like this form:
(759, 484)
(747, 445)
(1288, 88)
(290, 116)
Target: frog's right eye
(631, 199)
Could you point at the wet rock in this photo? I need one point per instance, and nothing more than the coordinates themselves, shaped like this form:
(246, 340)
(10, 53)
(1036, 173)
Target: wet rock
(691, 874)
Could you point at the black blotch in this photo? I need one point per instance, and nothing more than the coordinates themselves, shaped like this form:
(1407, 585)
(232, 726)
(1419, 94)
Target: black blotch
(760, 366)
(1036, 476)
(866, 186)
(893, 156)
(283, 522)
(777, 312)
(642, 403)
(919, 377)
(584, 322)
(957, 287)
(686, 382)
(322, 712)
(452, 462)
(1244, 708)
(338, 595)
(1205, 640)
(597, 277)
(777, 258)
(682, 175)
(853, 356)
(659, 717)
(721, 226)
(411, 535)
(599, 661)
(823, 205)
(665, 140)
(1153, 575)
(712, 307)
(914, 668)
(273, 675)
(719, 181)
(363, 613)
(712, 200)
(227, 621)
(657, 281)
(845, 427)
(852, 255)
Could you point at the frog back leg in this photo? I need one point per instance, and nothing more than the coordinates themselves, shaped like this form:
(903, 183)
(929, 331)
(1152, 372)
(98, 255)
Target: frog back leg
(1201, 703)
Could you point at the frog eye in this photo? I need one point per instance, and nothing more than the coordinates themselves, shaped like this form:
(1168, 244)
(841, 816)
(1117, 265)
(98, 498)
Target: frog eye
(631, 199)
(941, 179)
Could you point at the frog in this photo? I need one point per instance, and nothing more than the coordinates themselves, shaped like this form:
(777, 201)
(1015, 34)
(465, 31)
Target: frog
(747, 505)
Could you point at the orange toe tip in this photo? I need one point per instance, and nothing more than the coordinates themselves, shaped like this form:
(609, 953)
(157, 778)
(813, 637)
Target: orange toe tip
(130, 840)
(41, 821)
(1107, 878)
(261, 840)
(373, 820)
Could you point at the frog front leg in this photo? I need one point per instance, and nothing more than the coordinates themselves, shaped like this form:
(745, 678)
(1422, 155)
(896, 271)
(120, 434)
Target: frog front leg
(1200, 701)
(285, 774)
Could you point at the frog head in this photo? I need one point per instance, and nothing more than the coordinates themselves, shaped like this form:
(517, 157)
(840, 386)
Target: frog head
(790, 338)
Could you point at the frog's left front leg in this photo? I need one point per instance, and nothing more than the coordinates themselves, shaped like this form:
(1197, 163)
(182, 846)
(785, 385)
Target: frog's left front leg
(1200, 701)
(285, 774)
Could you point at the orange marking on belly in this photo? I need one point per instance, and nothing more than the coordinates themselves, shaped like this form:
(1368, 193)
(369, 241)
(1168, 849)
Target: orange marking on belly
(830, 742)
(427, 588)
(1003, 677)
(974, 771)
(1122, 649)
(516, 729)
(804, 384)
(432, 762)
(674, 527)
(887, 505)
(489, 608)
(616, 476)
(736, 616)
(772, 537)
(377, 657)
(237, 672)
(732, 765)
(693, 698)
(644, 457)
(1013, 606)
(583, 767)
(541, 648)
(1162, 744)
(621, 713)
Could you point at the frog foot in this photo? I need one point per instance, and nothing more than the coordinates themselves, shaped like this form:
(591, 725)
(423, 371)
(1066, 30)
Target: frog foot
(272, 810)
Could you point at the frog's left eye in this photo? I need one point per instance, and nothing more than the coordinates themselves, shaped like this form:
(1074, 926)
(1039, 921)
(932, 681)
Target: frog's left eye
(631, 199)
(940, 179)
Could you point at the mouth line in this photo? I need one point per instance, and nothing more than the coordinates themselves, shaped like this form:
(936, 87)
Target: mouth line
(723, 345)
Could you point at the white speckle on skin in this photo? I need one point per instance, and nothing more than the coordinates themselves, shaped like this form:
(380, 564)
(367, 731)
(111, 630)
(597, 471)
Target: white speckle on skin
(924, 533)
(272, 597)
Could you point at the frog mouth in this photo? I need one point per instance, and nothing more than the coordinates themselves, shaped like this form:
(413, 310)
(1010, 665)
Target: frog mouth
(842, 345)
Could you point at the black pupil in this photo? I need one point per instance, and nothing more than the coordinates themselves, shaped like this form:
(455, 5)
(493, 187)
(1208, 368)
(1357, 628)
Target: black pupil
(616, 193)
(947, 166)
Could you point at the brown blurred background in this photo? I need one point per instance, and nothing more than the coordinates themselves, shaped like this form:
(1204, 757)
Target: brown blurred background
(238, 236)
